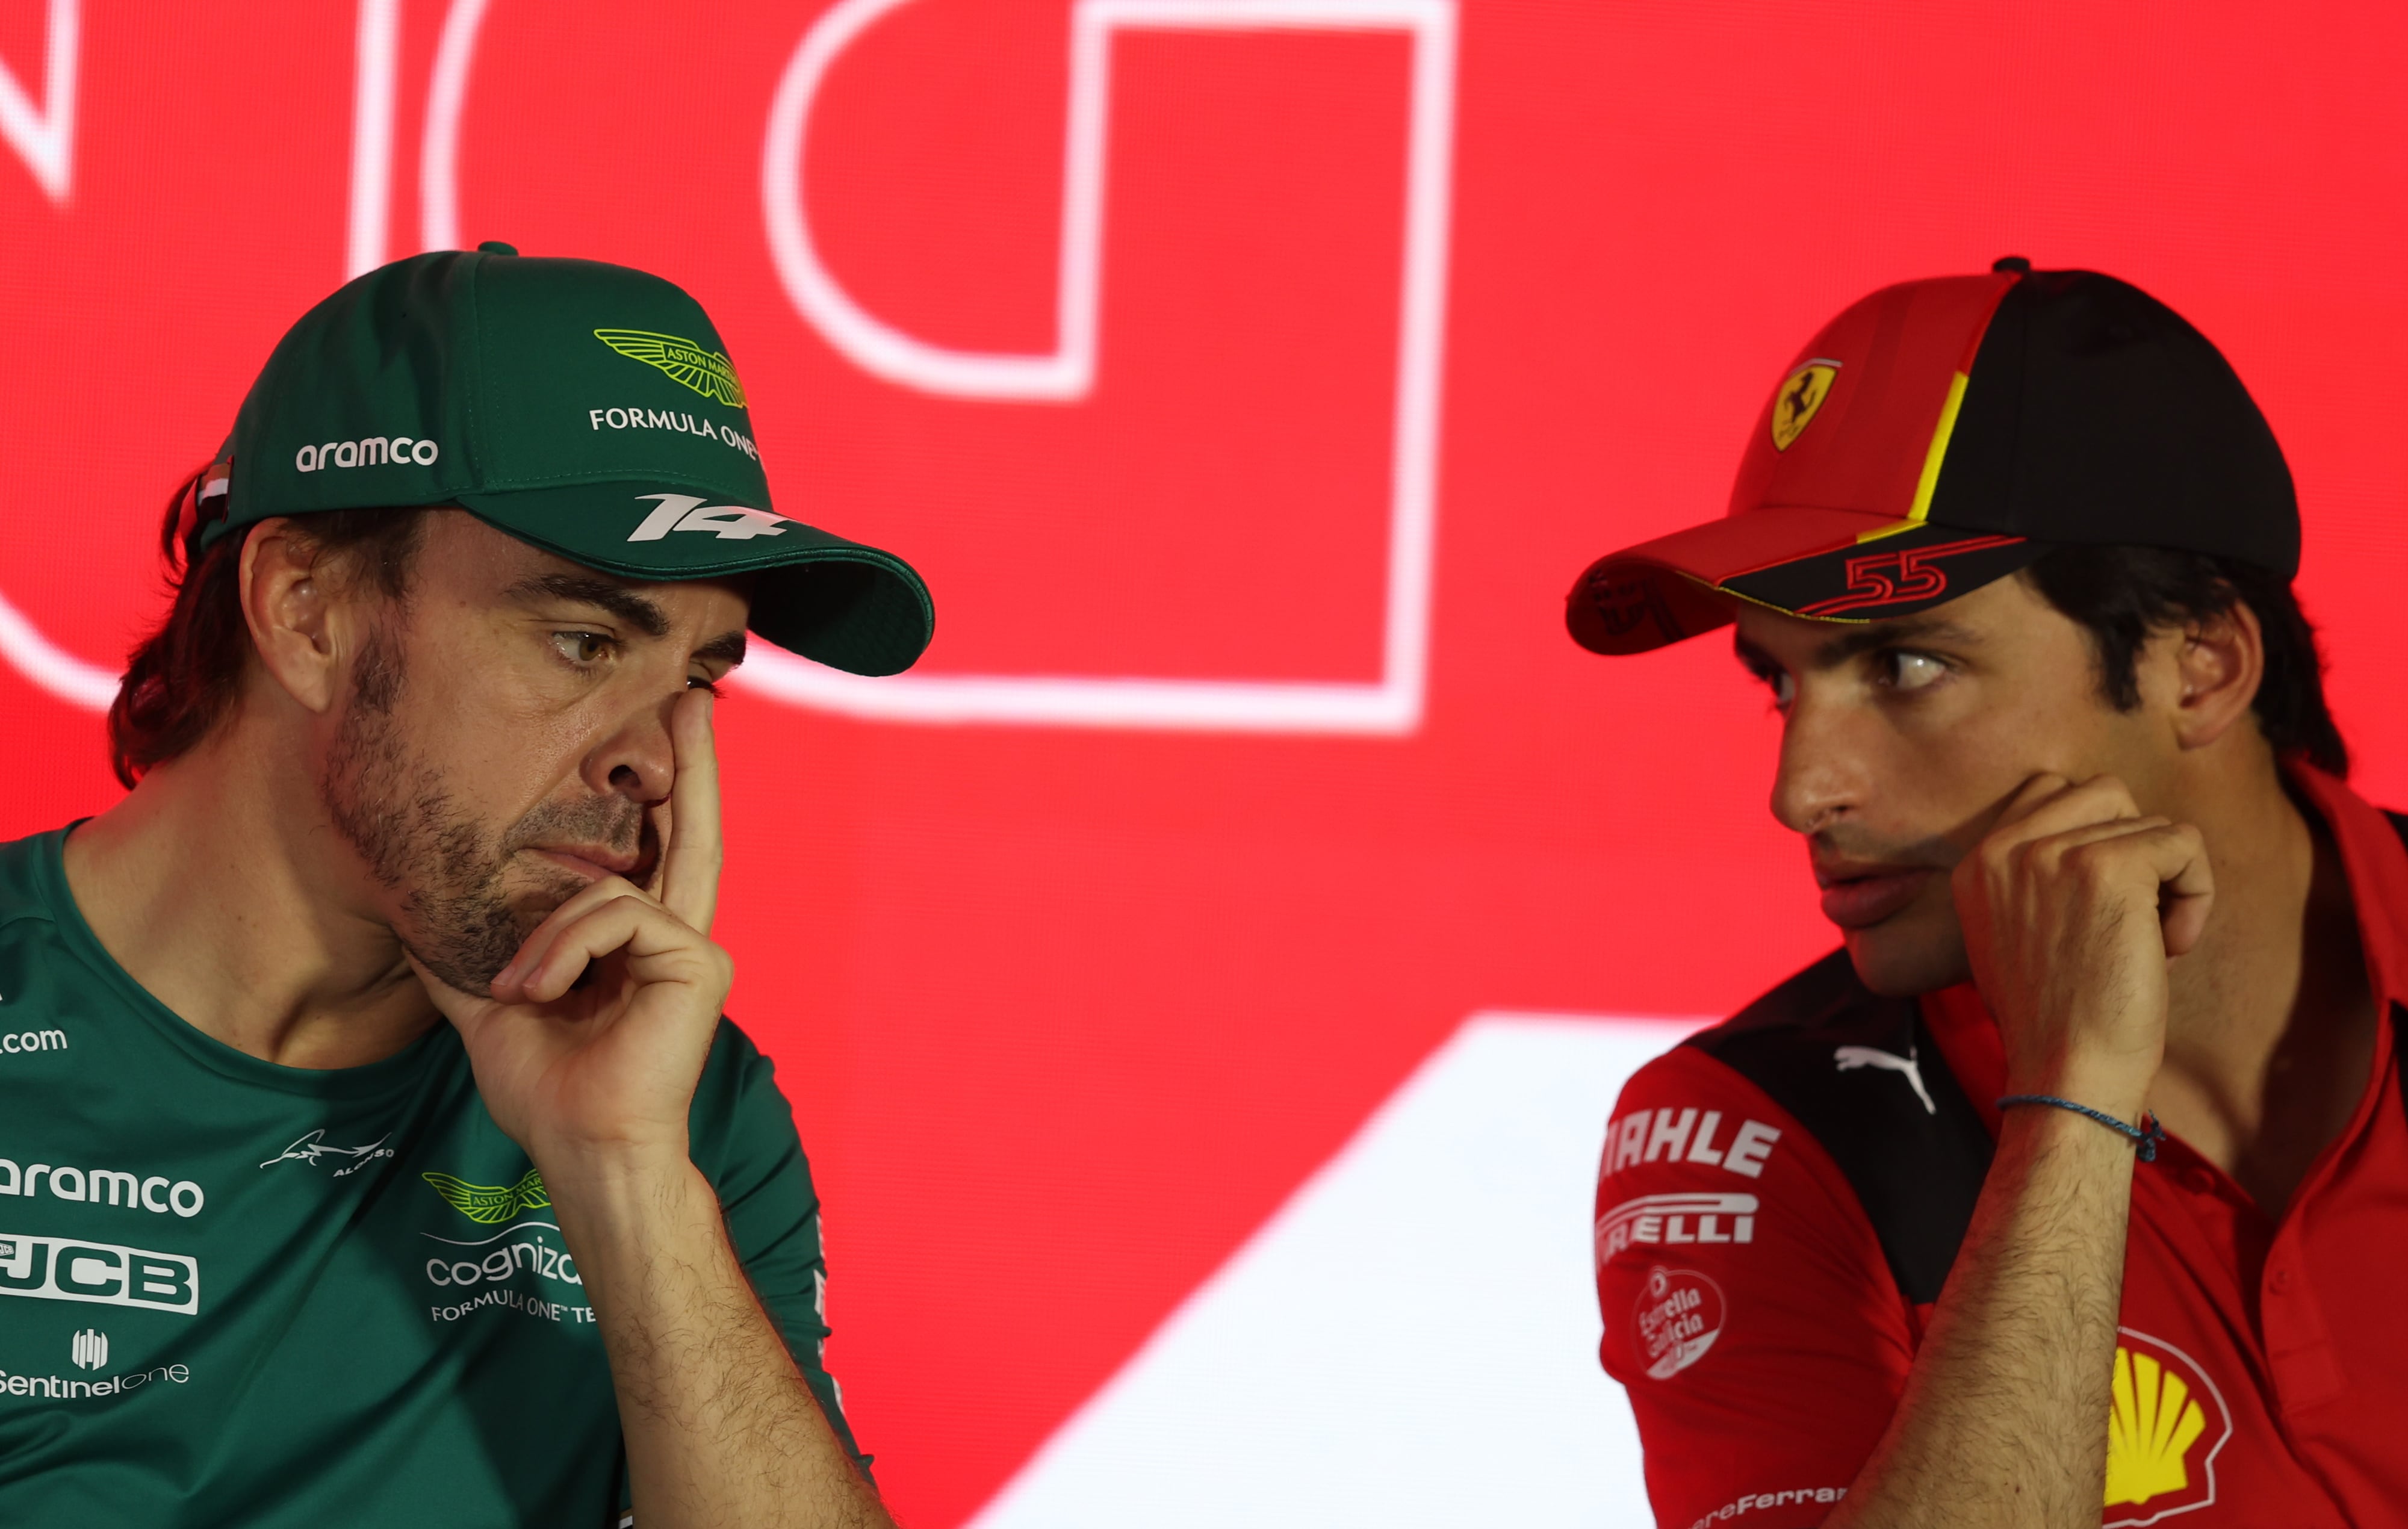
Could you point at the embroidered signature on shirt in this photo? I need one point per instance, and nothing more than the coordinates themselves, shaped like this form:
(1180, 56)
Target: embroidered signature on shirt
(312, 1148)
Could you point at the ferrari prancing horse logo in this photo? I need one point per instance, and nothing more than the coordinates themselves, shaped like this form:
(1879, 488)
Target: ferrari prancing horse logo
(1801, 393)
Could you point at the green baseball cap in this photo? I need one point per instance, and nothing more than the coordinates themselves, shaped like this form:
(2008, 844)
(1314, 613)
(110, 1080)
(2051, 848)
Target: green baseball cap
(588, 410)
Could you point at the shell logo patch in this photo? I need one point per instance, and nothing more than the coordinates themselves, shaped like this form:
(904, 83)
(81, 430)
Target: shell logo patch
(2165, 1425)
(1801, 397)
(1679, 1315)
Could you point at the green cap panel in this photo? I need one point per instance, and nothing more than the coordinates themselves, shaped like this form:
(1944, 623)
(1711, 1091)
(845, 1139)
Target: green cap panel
(361, 405)
(586, 409)
(594, 373)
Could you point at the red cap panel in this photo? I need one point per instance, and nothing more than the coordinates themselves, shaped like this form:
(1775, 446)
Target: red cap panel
(1893, 358)
(1847, 450)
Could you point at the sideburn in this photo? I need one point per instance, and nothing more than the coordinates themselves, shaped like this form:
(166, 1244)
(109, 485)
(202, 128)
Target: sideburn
(393, 811)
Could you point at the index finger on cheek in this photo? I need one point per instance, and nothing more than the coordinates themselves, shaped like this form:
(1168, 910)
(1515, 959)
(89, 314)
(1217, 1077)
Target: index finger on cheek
(2039, 789)
(690, 859)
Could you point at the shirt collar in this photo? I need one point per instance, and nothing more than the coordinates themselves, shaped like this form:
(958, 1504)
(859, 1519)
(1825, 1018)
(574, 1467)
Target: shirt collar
(2375, 864)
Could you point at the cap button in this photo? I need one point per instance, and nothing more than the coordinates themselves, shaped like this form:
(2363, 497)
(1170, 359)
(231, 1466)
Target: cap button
(2004, 264)
(496, 247)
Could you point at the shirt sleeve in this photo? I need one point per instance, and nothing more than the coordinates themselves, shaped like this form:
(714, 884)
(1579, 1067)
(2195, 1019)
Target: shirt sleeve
(742, 1131)
(1748, 1309)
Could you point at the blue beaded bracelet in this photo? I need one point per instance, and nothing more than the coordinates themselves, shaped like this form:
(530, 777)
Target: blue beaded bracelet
(2144, 1137)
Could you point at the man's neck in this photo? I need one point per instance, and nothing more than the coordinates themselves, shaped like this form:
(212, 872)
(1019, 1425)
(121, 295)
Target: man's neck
(221, 886)
(2270, 1030)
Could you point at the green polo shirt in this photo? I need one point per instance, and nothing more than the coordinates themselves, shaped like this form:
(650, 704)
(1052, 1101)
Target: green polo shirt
(238, 1293)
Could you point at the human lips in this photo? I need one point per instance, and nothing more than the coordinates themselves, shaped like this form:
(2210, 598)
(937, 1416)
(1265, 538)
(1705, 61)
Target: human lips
(592, 861)
(1856, 896)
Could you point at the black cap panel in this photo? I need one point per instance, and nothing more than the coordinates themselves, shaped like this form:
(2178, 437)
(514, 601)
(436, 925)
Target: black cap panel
(2096, 414)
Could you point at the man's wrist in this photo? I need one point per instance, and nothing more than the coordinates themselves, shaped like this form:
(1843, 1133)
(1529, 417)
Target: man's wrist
(2069, 1139)
(2113, 1085)
(603, 1174)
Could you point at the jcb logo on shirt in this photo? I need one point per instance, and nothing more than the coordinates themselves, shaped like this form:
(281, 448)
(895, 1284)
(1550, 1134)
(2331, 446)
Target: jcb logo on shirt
(2165, 1423)
(65, 1269)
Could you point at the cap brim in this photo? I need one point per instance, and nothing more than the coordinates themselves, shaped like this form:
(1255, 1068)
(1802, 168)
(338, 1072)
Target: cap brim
(834, 602)
(1824, 564)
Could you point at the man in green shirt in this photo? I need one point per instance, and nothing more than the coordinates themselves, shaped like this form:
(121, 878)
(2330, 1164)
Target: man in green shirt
(374, 1151)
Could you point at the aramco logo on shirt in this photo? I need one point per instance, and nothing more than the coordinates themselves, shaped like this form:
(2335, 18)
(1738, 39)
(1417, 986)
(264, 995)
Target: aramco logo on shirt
(89, 1349)
(490, 1205)
(2165, 1423)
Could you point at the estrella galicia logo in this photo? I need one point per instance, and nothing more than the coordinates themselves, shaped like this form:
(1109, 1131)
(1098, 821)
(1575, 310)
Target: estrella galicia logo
(490, 1205)
(709, 373)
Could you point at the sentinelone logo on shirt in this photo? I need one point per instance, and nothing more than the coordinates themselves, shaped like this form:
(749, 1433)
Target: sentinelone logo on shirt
(89, 1351)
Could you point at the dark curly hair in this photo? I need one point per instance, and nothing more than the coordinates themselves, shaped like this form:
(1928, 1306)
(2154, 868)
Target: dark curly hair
(2121, 595)
(181, 679)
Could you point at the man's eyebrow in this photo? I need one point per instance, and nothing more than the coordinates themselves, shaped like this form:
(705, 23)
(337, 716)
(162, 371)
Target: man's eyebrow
(728, 645)
(1862, 639)
(617, 599)
(1879, 634)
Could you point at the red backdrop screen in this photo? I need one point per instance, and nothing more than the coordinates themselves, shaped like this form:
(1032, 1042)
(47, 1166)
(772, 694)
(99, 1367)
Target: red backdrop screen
(1250, 379)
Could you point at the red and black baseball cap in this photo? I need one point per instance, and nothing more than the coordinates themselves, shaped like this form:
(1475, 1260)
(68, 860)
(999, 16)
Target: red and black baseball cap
(1942, 434)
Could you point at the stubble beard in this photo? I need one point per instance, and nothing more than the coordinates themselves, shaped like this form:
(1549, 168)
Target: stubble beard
(459, 913)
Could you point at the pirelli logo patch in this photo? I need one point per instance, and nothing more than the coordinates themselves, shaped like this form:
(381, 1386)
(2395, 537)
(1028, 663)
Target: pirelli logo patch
(103, 1273)
(1674, 1219)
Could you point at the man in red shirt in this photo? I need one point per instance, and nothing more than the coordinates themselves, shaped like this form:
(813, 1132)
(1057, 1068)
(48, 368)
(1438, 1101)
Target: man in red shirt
(2078, 1178)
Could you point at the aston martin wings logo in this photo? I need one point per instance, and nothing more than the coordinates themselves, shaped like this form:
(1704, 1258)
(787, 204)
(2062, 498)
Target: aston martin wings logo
(489, 1205)
(707, 372)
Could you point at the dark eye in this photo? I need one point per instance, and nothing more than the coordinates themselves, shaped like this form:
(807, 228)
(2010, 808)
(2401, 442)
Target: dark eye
(1910, 671)
(701, 681)
(582, 648)
(1777, 681)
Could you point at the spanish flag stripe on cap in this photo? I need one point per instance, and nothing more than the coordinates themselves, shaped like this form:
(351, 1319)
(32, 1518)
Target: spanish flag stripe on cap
(1937, 453)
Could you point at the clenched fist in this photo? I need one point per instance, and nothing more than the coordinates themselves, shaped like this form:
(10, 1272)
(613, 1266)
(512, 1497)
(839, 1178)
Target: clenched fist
(2071, 908)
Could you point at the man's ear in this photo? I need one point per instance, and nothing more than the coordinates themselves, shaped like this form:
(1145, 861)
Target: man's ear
(2217, 664)
(304, 624)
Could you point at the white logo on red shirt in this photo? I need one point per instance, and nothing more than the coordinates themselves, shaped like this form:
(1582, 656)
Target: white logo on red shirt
(1679, 1315)
(1849, 1058)
(1684, 1136)
(1676, 1219)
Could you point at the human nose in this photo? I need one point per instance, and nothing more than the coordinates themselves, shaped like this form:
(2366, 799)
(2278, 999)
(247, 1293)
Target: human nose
(637, 761)
(1822, 774)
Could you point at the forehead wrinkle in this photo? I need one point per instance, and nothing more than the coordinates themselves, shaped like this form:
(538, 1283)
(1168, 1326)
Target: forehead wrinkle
(588, 588)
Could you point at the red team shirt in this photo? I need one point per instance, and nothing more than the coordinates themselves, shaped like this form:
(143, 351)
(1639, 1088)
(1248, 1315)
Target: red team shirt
(2261, 1376)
